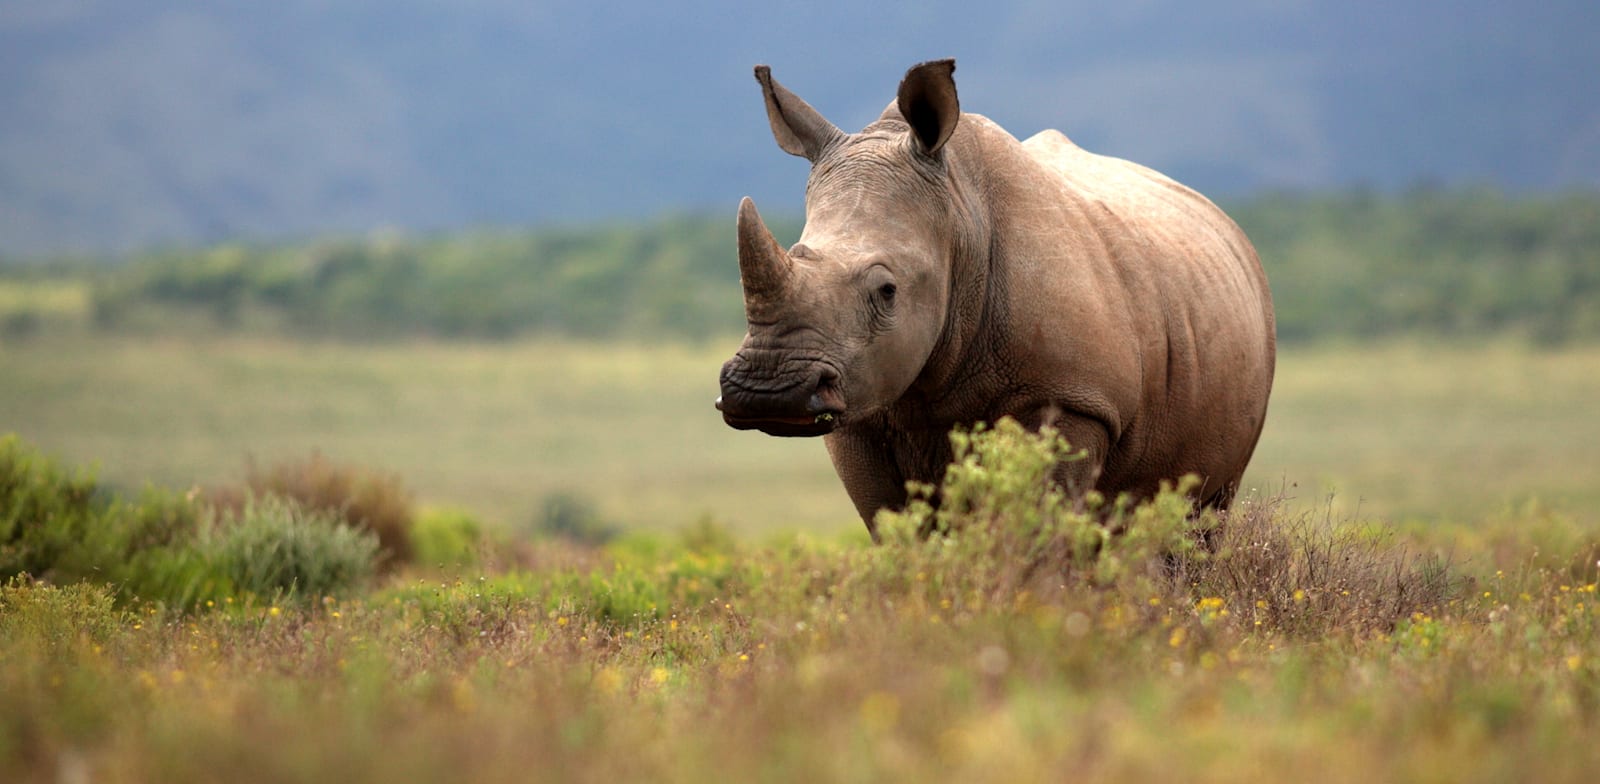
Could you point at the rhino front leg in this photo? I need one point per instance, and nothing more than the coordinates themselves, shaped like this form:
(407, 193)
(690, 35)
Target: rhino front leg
(866, 465)
(1086, 435)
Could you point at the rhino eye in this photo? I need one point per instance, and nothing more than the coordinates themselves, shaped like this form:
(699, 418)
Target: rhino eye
(887, 292)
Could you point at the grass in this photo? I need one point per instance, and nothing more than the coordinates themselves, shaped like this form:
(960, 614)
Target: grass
(1402, 431)
(1435, 432)
(1003, 651)
(1021, 645)
(493, 428)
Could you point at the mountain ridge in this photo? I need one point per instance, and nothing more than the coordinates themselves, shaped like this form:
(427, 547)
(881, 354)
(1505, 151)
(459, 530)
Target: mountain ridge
(139, 123)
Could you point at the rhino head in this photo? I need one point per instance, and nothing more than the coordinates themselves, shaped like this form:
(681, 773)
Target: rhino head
(842, 323)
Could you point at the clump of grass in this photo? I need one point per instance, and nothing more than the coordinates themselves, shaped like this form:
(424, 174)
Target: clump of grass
(362, 498)
(1304, 576)
(273, 547)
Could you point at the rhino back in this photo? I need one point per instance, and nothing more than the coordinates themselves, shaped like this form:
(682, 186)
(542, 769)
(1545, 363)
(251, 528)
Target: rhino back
(1140, 298)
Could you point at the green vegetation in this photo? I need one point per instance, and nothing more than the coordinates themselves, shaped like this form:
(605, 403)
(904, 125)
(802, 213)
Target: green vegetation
(676, 277)
(182, 550)
(541, 435)
(1025, 642)
(1441, 263)
(357, 498)
(1357, 265)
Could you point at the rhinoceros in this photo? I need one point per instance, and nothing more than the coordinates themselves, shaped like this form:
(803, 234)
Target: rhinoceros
(948, 274)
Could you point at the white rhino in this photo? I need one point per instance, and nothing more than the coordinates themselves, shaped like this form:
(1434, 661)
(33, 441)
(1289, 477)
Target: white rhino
(949, 274)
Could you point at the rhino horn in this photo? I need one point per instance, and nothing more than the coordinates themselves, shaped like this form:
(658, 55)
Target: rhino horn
(763, 266)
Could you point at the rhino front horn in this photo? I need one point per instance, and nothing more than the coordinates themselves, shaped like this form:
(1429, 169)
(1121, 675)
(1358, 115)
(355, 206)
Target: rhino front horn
(763, 265)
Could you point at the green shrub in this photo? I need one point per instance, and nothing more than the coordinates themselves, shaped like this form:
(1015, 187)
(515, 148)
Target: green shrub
(1003, 529)
(447, 537)
(52, 521)
(574, 518)
(164, 547)
(160, 518)
(62, 527)
(1001, 522)
(272, 547)
(56, 616)
(362, 498)
(182, 577)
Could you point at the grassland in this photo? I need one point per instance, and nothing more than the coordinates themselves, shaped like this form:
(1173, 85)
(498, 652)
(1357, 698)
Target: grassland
(1399, 431)
(492, 428)
(1459, 646)
(1024, 646)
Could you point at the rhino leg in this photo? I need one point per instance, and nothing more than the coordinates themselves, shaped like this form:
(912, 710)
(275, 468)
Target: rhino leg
(1084, 434)
(870, 475)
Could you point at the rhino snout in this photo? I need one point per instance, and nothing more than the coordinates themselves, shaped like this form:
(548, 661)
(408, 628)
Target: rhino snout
(812, 407)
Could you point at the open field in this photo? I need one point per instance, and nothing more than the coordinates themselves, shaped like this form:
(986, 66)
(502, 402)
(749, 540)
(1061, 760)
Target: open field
(1400, 431)
(1025, 646)
(1029, 645)
(493, 428)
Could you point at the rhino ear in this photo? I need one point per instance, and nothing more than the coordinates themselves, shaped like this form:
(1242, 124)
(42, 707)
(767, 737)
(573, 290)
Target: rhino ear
(928, 102)
(799, 129)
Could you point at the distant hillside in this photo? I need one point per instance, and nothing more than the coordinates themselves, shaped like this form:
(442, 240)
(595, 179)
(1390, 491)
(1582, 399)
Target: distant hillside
(1353, 266)
(128, 124)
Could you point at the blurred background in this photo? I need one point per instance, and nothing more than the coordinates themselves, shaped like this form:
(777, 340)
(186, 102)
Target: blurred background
(487, 245)
(130, 123)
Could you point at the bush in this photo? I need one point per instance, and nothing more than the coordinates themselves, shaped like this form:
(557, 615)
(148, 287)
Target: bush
(63, 527)
(273, 547)
(1003, 530)
(573, 518)
(362, 498)
(56, 616)
(60, 526)
(1001, 524)
(52, 521)
(447, 537)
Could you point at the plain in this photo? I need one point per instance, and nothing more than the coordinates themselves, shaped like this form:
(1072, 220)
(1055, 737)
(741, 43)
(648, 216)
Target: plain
(1400, 431)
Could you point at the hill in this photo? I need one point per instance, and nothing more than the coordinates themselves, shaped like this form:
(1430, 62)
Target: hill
(1467, 262)
(131, 124)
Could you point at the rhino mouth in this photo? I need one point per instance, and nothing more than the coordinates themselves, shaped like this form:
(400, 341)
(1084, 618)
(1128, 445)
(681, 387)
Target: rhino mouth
(793, 427)
(822, 412)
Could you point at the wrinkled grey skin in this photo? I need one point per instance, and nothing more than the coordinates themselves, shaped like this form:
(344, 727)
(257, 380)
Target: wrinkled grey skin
(949, 274)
